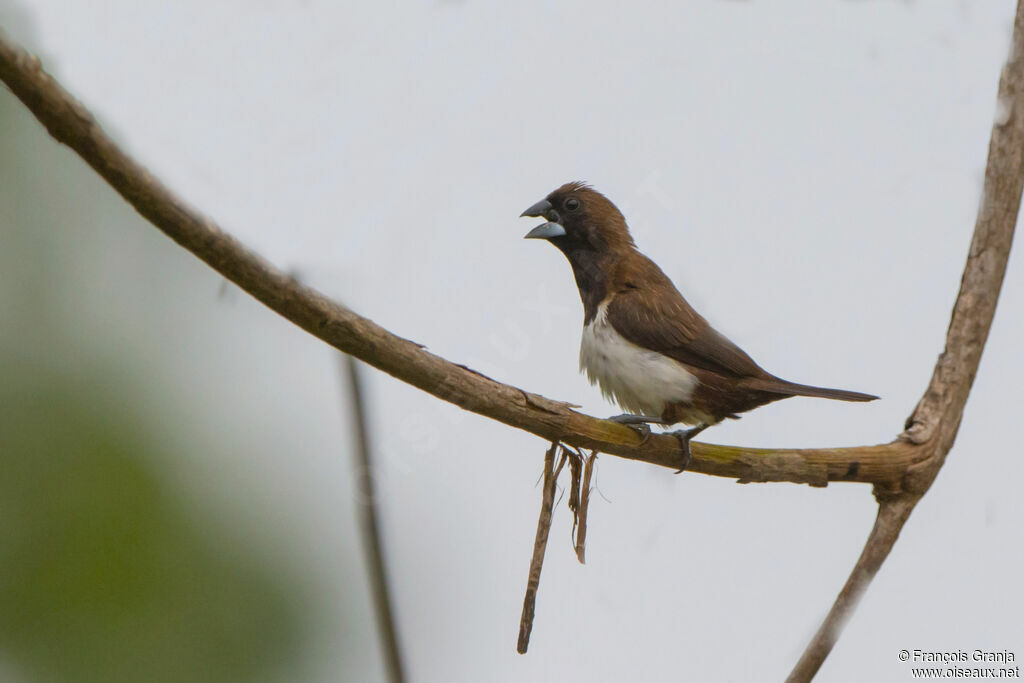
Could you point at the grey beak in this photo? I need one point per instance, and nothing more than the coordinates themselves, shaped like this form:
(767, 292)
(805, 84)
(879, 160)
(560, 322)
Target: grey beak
(538, 209)
(548, 230)
(545, 231)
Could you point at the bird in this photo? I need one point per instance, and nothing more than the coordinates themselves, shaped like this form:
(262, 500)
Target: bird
(643, 344)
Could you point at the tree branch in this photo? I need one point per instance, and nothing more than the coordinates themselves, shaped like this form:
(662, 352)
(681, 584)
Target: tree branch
(892, 515)
(933, 425)
(71, 124)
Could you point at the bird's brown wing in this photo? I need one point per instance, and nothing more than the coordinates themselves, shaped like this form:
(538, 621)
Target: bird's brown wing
(651, 313)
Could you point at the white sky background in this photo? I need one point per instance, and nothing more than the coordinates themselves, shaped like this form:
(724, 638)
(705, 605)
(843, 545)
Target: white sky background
(807, 173)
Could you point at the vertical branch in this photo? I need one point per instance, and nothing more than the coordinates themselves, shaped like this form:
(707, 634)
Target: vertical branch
(540, 543)
(370, 526)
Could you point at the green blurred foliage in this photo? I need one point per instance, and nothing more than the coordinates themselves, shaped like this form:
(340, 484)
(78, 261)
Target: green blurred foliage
(103, 575)
(107, 572)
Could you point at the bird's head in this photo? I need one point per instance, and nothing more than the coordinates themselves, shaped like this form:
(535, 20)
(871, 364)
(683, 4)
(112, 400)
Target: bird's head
(580, 219)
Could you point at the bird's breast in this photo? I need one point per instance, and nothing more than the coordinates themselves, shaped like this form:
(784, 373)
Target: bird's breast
(640, 380)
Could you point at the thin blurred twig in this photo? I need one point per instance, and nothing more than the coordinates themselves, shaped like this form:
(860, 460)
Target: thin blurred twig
(369, 525)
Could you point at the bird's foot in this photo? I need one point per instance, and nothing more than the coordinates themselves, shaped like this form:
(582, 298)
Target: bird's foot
(641, 428)
(638, 423)
(684, 436)
(630, 419)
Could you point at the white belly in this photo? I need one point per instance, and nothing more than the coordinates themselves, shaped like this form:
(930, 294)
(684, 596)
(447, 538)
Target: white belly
(639, 380)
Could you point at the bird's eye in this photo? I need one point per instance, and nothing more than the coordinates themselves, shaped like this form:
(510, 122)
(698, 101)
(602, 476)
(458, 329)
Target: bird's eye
(572, 204)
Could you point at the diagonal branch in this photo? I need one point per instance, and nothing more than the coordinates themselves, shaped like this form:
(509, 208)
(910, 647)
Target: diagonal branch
(70, 123)
(892, 515)
(933, 425)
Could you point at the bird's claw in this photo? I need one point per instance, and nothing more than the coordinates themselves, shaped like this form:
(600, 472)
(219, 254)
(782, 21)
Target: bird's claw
(643, 429)
(638, 423)
(684, 436)
(684, 445)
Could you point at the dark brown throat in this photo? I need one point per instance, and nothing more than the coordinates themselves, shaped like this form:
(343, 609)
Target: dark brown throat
(591, 271)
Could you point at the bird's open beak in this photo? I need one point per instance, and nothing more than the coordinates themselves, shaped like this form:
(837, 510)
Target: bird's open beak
(545, 231)
(541, 208)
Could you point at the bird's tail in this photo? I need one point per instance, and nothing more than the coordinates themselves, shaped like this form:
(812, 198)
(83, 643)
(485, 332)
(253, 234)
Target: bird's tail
(781, 386)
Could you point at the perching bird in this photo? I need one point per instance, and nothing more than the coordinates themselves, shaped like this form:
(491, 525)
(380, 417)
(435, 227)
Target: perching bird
(643, 344)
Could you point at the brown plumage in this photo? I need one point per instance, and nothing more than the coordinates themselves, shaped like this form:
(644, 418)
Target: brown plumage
(625, 295)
